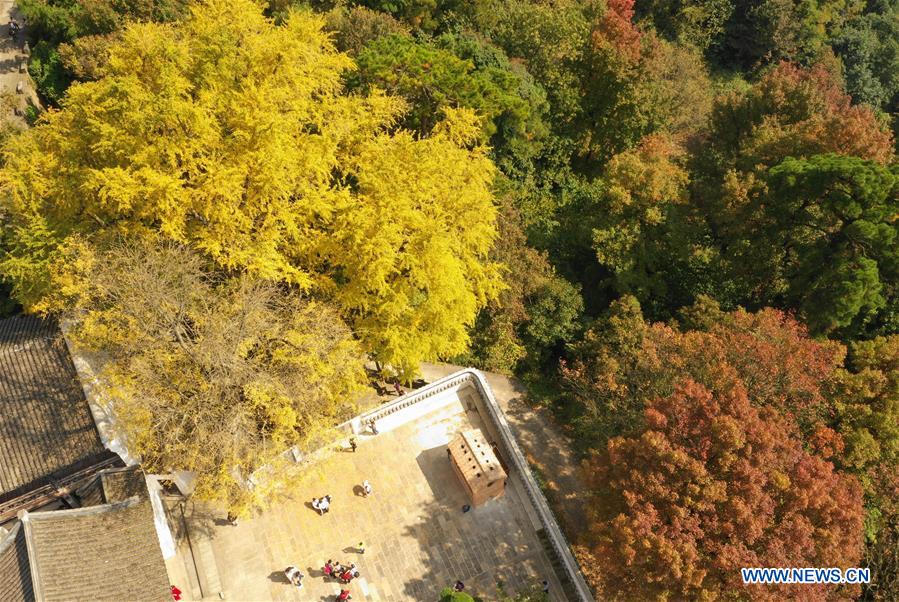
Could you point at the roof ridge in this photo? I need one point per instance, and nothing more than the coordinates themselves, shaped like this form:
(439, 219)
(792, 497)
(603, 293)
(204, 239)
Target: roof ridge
(46, 515)
(10, 537)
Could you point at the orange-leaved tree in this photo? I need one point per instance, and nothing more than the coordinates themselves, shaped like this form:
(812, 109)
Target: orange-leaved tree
(623, 363)
(713, 484)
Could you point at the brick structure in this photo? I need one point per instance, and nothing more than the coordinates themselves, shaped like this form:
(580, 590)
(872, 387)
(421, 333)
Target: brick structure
(477, 466)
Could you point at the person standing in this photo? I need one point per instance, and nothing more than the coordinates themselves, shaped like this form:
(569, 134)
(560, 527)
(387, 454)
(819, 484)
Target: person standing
(353, 444)
(366, 488)
(344, 595)
(361, 547)
(328, 569)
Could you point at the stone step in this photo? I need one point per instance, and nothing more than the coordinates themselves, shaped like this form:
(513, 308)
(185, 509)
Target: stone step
(568, 587)
(207, 569)
(192, 590)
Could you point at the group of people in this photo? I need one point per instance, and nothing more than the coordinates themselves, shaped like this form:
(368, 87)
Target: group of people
(322, 504)
(343, 573)
(333, 570)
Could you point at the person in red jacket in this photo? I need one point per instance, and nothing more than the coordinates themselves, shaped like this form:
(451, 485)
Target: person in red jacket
(344, 595)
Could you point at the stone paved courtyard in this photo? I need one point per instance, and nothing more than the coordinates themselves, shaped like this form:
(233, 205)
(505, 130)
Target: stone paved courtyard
(417, 538)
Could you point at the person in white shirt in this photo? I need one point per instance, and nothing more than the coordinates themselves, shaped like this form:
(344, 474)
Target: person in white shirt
(294, 575)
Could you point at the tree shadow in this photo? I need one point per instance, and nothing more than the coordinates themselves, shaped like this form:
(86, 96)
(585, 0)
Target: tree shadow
(491, 543)
(189, 518)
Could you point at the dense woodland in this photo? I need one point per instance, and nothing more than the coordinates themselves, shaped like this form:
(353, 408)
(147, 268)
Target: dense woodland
(677, 220)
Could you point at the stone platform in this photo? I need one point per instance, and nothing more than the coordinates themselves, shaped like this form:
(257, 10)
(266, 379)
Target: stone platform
(417, 538)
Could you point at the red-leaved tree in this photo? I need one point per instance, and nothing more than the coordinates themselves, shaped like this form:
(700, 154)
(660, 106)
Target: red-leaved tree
(710, 485)
(623, 362)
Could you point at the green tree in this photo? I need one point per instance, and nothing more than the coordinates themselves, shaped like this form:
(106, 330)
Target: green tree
(551, 39)
(828, 228)
(696, 22)
(869, 49)
(763, 31)
(791, 112)
(644, 187)
(448, 594)
(432, 78)
(536, 311)
(49, 74)
(519, 143)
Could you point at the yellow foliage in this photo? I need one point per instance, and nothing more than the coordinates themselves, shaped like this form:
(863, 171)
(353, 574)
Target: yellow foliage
(235, 136)
(216, 376)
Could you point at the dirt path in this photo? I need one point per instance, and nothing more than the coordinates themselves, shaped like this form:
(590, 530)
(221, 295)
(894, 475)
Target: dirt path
(12, 57)
(544, 444)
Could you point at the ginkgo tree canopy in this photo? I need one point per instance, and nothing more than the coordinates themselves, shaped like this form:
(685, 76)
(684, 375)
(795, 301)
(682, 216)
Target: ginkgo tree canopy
(235, 135)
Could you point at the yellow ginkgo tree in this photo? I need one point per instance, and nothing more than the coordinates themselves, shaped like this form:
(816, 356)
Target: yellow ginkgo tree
(219, 376)
(234, 135)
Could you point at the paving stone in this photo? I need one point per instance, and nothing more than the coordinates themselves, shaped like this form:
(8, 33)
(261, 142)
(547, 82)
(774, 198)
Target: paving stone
(418, 540)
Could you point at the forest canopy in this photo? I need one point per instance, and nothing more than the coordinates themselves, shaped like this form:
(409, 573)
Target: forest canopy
(676, 221)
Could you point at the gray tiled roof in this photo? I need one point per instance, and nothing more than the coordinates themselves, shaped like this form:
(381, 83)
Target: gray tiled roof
(15, 578)
(91, 492)
(46, 428)
(113, 485)
(107, 552)
(119, 484)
